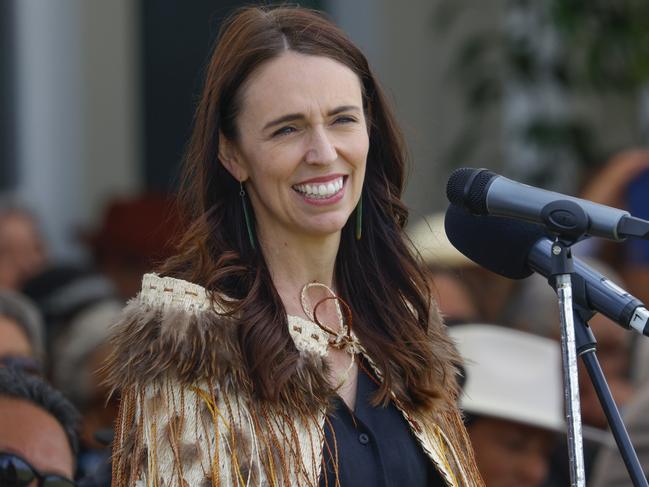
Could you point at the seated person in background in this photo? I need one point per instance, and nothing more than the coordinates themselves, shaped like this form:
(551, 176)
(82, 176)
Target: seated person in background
(79, 352)
(454, 298)
(21, 332)
(22, 250)
(79, 305)
(623, 182)
(512, 400)
(448, 267)
(135, 234)
(464, 291)
(610, 470)
(613, 353)
(535, 309)
(63, 290)
(37, 424)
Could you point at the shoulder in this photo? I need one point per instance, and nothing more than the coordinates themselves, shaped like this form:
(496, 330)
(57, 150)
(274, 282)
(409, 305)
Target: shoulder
(173, 294)
(172, 327)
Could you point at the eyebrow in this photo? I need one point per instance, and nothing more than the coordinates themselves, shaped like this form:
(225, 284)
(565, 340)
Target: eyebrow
(299, 116)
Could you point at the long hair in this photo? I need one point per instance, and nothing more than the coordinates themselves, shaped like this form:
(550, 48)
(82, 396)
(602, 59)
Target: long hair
(378, 276)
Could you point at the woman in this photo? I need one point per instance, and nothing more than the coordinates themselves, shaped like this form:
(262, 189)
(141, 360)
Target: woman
(291, 340)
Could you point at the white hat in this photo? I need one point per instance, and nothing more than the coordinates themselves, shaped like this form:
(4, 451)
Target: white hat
(72, 374)
(511, 375)
(429, 238)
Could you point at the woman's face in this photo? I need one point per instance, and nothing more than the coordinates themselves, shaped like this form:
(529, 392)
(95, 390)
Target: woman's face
(302, 146)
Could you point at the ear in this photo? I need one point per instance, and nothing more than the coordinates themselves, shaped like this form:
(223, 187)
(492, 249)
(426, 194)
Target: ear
(231, 158)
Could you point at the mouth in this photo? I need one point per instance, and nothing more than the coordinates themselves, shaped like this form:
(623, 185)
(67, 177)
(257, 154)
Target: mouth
(321, 190)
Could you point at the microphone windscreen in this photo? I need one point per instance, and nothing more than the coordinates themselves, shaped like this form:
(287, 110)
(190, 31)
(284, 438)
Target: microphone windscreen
(499, 244)
(456, 183)
(467, 188)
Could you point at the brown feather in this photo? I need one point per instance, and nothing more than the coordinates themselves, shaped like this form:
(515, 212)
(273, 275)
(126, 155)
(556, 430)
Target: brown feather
(153, 341)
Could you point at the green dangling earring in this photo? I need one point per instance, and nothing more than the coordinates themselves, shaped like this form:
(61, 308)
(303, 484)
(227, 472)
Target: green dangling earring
(246, 215)
(359, 218)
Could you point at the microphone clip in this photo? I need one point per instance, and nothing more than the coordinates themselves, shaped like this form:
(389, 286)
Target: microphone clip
(565, 219)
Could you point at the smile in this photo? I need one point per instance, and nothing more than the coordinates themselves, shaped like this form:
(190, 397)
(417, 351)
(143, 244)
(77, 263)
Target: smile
(321, 190)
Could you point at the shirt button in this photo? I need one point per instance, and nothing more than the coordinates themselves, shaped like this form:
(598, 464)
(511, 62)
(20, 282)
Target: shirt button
(363, 438)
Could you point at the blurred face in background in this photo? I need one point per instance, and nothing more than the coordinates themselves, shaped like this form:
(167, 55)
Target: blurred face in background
(22, 252)
(36, 436)
(511, 454)
(13, 340)
(454, 299)
(101, 410)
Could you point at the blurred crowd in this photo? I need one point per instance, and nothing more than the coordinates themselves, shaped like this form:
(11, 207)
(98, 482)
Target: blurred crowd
(56, 415)
(508, 333)
(55, 319)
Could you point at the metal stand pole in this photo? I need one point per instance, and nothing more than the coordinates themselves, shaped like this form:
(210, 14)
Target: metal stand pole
(563, 286)
(570, 222)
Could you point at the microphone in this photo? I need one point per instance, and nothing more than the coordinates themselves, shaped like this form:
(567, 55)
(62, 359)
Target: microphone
(515, 249)
(483, 192)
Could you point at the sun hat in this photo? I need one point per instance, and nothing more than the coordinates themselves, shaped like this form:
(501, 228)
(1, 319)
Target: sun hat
(511, 375)
(429, 238)
(72, 373)
(62, 290)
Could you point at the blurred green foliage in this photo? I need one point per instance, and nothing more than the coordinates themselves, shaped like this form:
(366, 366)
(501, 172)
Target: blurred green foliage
(607, 42)
(603, 50)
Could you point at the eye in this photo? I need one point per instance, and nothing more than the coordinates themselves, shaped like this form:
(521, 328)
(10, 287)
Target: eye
(344, 119)
(288, 129)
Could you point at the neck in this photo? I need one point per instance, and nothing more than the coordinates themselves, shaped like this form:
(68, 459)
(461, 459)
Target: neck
(295, 260)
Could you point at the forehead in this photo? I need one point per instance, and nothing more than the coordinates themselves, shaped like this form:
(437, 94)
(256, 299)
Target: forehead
(7, 322)
(13, 338)
(294, 82)
(14, 221)
(32, 433)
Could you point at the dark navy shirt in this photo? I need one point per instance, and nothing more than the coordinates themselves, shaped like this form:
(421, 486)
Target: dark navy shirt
(375, 446)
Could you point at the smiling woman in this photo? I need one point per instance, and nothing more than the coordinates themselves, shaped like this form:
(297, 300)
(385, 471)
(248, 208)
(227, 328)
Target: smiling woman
(301, 151)
(293, 340)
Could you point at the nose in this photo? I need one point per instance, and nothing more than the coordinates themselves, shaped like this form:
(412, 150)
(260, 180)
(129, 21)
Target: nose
(321, 149)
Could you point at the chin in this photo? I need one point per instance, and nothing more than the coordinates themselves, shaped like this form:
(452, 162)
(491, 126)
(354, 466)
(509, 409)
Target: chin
(326, 227)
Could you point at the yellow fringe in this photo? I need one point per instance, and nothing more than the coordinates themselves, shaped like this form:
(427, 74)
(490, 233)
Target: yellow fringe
(216, 413)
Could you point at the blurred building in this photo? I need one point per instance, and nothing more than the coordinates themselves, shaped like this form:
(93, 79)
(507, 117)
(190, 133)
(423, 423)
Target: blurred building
(96, 97)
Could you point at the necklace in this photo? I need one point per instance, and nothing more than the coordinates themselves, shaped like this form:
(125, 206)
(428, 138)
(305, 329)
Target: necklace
(344, 338)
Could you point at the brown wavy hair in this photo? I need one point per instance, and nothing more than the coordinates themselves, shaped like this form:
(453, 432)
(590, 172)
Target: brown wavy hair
(378, 276)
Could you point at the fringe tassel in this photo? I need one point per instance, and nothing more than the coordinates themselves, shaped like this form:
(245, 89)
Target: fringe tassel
(456, 436)
(170, 348)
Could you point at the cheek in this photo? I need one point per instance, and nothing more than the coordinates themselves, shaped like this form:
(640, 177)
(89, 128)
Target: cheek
(358, 158)
(498, 455)
(495, 462)
(275, 163)
(361, 149)
(491, 456)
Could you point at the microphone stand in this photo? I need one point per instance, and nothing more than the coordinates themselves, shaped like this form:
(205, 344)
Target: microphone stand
(586, 348)
(569, 221)
(562, 267)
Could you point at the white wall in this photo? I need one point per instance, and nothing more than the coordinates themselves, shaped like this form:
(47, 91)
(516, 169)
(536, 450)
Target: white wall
(77, 108)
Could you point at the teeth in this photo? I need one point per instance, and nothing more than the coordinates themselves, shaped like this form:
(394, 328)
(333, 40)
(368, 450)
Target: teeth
(320, 191)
